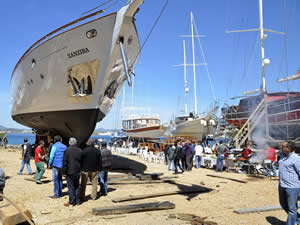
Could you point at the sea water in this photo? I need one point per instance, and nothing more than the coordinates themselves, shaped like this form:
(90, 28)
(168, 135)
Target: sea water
(18, 139)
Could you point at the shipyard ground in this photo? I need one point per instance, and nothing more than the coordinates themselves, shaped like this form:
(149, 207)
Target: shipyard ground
(217, 205)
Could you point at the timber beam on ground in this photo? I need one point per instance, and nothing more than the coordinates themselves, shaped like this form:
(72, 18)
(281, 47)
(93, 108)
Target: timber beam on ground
(133, 208)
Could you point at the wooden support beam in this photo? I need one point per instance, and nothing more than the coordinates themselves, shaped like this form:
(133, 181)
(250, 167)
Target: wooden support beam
(14, 213)
(185, 191)
(228, 178)
(262, 209)
(133, 208)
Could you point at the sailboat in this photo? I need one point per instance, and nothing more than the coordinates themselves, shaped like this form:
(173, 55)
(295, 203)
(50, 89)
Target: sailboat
(68, 80)
(282, 109)
(193, 124)
(141, 125)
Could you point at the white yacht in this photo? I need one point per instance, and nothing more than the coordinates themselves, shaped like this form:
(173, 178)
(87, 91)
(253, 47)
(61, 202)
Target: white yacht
(193, 124)
(68, 80)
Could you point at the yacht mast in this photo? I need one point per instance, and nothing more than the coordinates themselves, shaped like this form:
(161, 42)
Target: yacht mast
(194, 65)
(186, 89)
(264, 62)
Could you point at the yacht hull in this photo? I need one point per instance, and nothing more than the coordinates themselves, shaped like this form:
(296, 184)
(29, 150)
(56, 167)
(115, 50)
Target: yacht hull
(195, 128)
(153, 132)
(68, 83)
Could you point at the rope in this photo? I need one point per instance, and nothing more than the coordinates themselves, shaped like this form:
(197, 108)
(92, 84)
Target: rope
(204, 61)
(152, 28)
(99, 7)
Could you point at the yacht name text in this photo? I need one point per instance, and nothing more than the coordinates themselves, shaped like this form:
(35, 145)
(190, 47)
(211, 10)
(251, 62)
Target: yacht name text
(78, 52)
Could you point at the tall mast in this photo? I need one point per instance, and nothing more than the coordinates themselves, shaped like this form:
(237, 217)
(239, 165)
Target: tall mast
(264, 62)
(194, 65)
(186, 89)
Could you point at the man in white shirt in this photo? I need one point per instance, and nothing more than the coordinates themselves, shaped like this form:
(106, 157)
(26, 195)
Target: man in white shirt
(208, 149)
(198, 154)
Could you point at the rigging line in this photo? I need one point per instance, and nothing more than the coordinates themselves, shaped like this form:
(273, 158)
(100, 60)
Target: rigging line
(152, 28)
(98, 7)
(204, 61)
(251, 56)
(285, 42)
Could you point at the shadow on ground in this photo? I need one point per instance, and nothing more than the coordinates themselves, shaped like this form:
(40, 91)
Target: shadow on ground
(124, 165)
(274, 221)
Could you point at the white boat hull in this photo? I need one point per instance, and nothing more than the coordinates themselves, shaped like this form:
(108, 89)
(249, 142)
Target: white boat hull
(149, 132)
(194, 128)
(42, 94)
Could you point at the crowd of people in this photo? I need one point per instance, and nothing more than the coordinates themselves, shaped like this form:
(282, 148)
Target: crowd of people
(94, 161)
(76, 164)
(183, 154)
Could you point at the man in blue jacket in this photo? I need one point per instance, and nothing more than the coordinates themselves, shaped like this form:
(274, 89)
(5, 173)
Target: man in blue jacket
(56, 162)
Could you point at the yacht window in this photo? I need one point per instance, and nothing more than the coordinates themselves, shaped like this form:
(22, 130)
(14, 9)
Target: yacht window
(89, 89)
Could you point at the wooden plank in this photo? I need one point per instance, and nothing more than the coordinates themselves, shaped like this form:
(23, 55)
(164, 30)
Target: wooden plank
(262, 209)
(14, 214)
(185, 191)
(133, 208)
(227, 178)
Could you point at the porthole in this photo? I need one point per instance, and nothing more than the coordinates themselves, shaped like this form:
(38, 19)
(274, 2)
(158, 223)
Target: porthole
(91, 33)
(33, 62)
(31, 81)
(42, 76)
(28, 82)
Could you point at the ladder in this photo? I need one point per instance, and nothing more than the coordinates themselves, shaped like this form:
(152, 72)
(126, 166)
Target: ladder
(245, 132)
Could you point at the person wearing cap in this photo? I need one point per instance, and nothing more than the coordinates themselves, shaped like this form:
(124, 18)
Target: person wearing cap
(72, 168)
(90, 167)
(56, 162)
(39, 158)
(289, 182)
(26, 155)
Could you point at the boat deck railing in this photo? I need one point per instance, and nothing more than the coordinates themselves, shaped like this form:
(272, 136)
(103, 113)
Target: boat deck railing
(285, 107)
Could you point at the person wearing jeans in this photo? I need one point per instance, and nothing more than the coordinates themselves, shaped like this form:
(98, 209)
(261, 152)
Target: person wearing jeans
(178, 152)
(221, 149)
(102, 179)
(26, 155)
(272, 157)
(220, 160)
(289, 182)
(57, 180)
(56, 162)
(106, 157)
(198, 154)
(171, 157)
(71, 168)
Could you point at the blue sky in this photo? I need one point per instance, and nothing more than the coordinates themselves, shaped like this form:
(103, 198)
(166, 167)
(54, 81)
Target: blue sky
(233, 59)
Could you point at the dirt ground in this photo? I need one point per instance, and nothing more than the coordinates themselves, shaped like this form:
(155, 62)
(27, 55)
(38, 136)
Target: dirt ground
(217, 205)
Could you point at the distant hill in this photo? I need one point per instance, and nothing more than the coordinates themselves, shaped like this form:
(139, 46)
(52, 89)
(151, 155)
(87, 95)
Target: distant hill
(105, 130)
(14, 130)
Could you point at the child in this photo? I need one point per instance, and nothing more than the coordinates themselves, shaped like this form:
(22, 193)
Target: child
(2, 182)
